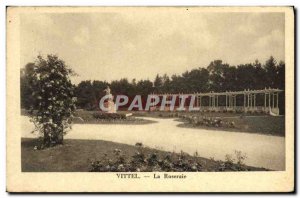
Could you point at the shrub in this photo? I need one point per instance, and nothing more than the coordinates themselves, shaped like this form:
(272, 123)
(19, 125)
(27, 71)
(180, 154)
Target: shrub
(139, 144)
(234, 164)
(169, 162)
(240, 157)
(208, 121)
(53, 101)
(109, 116)
(140, 162)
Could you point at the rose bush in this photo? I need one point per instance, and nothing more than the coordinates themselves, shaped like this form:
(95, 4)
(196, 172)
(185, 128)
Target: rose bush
(152, 161)
(53, 102)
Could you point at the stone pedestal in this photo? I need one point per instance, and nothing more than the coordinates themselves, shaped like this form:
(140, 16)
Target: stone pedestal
(110, 105)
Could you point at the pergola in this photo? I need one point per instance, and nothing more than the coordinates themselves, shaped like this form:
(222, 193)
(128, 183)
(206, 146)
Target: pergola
(249, 101)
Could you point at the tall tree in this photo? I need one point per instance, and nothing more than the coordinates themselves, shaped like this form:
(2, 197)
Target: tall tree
(280, 77)
(26, 91)
(270, 68)
(122, 87)
(158, 83)
(85, 95)
(144, 87)
(216, 75)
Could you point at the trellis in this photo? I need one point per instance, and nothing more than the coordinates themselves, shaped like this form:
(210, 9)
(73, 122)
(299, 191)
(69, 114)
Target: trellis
(270, 105)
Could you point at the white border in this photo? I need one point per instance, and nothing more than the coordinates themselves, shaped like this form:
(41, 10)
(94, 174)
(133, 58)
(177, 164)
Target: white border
(3, 5)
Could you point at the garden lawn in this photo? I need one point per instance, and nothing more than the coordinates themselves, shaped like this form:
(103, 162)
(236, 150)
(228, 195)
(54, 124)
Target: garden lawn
(249, 123)
(266, 125)
(77, 156)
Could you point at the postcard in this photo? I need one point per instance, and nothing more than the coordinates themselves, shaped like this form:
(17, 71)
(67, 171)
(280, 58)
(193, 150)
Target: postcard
(150, 99)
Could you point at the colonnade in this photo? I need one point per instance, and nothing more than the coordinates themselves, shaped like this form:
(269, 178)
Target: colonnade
(249, 101)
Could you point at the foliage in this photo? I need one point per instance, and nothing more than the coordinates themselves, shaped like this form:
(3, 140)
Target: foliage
(169, 162)
(208, 121)
(109, 116)
(236, 163)
(216, 77)
(26, 79)
(240, 157)
(141, 162)
(88, 93)
(53, 102)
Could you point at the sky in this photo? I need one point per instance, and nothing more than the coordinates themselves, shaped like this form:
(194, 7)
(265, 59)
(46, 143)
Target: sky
(113, 45)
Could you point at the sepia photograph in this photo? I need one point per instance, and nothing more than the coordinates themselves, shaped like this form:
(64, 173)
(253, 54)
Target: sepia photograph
(150, 94)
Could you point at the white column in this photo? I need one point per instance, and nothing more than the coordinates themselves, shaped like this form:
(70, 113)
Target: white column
(250, 100)
(277, 99)
(235, 101)
(214, 101)
(244, 100)
(199, 101)
(269, 99)
(248, 104)
(273, 105)
(265, 101)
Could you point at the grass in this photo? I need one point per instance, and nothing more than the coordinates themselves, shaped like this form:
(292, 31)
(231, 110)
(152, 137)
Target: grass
(249, 123)
(166, 114)
(266, 125)
(78, 155)
(129, 120)
(88, 118)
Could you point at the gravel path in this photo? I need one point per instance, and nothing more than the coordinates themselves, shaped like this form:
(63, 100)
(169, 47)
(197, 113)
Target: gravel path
(261, 150)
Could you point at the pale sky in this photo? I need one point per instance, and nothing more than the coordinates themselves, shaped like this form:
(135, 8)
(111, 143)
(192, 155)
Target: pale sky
(110, 46)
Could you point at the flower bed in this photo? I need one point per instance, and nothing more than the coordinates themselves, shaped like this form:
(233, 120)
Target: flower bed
(209, 121)
(109, 116)
(170, 162)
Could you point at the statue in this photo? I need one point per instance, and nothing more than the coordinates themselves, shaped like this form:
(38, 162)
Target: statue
(107, 90)
(110, 105)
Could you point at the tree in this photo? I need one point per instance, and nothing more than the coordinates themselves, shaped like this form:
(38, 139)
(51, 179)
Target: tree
(216, 75)
(260, 75)
(26, 78)
(196, 80)
(85, 95)
(54, 103)
(98, 88)
(165, 84)
(158, 82)
(144, 88)
(230, 78)
(122, 87)
(270, 68)
(245, 77)
(280, 78)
